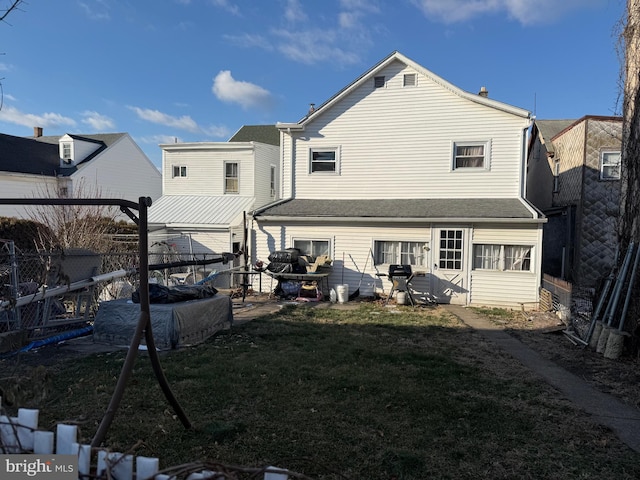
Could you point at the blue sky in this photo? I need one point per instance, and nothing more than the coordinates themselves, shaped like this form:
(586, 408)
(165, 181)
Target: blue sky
(197, 70)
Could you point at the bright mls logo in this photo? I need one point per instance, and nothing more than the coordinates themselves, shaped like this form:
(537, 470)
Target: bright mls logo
(38, 467)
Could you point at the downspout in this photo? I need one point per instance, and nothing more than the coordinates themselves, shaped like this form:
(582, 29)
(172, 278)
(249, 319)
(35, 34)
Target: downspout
(525, 160)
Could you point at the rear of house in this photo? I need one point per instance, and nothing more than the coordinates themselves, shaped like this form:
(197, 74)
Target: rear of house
(401, 167)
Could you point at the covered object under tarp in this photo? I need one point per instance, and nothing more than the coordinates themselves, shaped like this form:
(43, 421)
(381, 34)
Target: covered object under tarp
(174, 324)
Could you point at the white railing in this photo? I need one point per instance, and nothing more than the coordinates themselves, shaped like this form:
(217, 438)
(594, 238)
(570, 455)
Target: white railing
(20, 435)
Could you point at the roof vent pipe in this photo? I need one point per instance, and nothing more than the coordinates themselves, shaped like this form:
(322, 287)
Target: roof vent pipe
(312, 108)
(483, 92)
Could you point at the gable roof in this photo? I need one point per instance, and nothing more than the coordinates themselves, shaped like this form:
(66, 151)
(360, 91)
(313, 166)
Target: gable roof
(24, 155)
(268, 134)
(402, 210)
(41, 155)
(397, 56)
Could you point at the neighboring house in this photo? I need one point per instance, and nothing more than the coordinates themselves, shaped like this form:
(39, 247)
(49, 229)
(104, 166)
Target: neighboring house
(109, 165)
(573, 176)
(208, 186)
(404, 167)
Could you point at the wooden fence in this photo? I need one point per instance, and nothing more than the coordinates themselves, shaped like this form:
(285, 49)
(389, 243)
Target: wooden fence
(20, 435)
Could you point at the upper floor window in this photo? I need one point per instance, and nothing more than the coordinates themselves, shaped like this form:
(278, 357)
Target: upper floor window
(272, 182)
(470, 155)
(324, 160)
(66, 151)
(556, 176)
(179, 171)
(231, 177)
(610, 166)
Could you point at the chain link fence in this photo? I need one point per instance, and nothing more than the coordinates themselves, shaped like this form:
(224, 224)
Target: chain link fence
(573, 304)
(42, 293)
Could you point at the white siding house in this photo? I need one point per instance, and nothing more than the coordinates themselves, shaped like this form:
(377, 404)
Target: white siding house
(402, 167)
(209, 186)
(108, 165)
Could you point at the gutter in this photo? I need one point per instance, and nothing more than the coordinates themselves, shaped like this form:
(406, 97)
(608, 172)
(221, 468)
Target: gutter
(317, 219)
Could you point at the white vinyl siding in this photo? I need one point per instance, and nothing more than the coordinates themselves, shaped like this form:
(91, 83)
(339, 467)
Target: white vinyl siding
(503, 287)
(354, 243)
(402, 139)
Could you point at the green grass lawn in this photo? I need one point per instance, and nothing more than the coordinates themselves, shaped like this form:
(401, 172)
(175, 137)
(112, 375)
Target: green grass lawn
(358, 394)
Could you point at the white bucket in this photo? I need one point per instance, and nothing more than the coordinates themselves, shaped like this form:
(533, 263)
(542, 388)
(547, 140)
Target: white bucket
(401, 297)
(343, 293)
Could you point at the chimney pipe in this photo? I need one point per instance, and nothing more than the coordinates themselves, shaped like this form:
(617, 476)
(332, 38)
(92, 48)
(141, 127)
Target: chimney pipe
(37, 132)
(483, 92)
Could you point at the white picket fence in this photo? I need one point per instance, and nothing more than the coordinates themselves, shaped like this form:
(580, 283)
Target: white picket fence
(20, 435)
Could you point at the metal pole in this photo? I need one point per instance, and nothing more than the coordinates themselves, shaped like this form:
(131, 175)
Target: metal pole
(627, 299)
(144, 325)
(613, 304)
(15, 273)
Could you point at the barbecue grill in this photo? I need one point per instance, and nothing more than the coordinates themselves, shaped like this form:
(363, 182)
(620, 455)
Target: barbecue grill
(400, 276)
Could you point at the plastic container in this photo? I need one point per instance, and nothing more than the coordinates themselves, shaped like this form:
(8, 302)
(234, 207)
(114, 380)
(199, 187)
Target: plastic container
(342, 292)
(333, 296)
(401, 297)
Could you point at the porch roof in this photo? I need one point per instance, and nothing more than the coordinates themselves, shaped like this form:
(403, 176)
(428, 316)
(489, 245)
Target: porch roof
(486, 209)
(210, 211)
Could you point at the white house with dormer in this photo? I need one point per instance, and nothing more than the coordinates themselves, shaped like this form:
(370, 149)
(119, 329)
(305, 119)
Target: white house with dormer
(403, 168)
(105, 165)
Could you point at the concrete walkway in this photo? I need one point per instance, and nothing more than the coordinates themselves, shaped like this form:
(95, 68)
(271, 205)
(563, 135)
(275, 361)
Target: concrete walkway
(606, 410)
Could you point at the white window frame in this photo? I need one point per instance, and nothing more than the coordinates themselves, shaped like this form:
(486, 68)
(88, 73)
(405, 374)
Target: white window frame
(67, 150)
(412, 83)
(178, 171)
(453, 254)
(486, 162)
(272, 181)
(399, 249)
(497, 257)
(336, 160)
(556, 176)
(312, 241)
(228, 178)
(610, 165)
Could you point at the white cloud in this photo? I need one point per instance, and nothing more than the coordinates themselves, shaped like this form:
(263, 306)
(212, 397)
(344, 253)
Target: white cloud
(46, 120)
(526, 12)
(184, 122)
(4, 67)
(227, 5)
(294, 13)
(246, 94)
(249, 41)
(314, 46)
(98, 122)
(216, 131)
(97, 10)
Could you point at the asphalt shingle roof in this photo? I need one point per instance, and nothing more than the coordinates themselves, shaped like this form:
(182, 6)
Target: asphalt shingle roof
(268, 134)
(480, 208)
(24, 155)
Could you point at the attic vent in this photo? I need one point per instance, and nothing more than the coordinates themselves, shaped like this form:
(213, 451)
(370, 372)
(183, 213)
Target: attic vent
(409, 80)
(378, 82)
